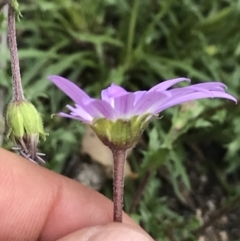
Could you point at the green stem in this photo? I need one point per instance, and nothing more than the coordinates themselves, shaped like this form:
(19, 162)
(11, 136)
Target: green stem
(119, 157)
(131, 30)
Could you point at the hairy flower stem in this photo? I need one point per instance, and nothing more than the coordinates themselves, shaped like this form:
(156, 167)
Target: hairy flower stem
(119, 157)
(12, 42)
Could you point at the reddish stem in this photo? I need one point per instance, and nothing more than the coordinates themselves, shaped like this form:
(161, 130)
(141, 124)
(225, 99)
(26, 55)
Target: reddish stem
(12, 42)
(119, 157)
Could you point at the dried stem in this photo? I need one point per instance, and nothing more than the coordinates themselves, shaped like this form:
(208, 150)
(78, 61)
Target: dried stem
(218, 214)
(140, 191)
(12, 42)
(119, 157)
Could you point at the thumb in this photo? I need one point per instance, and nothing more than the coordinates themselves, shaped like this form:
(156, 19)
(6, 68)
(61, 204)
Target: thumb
(109, 232)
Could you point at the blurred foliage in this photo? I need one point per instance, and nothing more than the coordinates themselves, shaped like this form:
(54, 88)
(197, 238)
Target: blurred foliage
(138, 44)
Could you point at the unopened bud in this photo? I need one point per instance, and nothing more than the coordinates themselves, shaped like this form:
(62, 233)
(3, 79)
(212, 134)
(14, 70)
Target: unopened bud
(24, 127)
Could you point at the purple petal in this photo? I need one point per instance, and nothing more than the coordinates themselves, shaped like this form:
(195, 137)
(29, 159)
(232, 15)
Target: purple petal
(105, 97)
(72, 117)
(69, 88)
(112, 91)
(139, 95)
(167, 84)
(194, 88)
(149, 100)
(124, 104)
(194, 96)
(203, 87)
(100, 109)
(217, 86)
(80, 112)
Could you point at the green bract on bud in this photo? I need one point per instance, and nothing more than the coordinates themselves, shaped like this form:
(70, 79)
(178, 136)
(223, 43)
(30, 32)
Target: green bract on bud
(120, 134)
(24, 126)
(22, 118)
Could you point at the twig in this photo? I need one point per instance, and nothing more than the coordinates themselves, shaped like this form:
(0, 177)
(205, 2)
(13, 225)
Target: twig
(139, 193)
(218, 214)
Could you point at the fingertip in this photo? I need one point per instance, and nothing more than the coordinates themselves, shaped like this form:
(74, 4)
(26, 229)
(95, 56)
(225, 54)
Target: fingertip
(109, 232)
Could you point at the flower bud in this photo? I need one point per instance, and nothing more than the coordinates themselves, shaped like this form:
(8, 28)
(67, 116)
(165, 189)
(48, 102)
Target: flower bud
(24, 126)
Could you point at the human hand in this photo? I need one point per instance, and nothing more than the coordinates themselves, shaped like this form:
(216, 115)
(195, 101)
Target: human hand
(38, 204)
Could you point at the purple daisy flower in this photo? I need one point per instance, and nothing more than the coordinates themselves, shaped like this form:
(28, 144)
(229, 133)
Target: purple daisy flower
(117, 103)
(119, 117)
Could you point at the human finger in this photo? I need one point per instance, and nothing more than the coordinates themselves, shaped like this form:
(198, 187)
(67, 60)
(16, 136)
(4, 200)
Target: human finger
(38, 204)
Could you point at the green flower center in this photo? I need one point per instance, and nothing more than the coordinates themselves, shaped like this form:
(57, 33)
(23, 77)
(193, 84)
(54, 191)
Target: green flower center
(121, 134)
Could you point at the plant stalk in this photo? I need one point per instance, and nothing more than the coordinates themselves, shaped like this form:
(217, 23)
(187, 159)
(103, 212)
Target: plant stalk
(12, 42)
(119, 157)
(131, 30)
